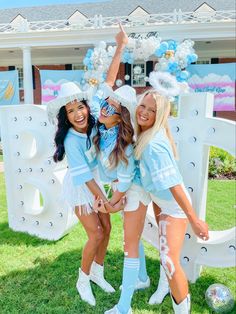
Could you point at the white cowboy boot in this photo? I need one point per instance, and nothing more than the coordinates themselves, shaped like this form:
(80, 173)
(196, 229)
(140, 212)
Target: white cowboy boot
(183, 307)
(162, 289)
(97, 276)
(141, 285)
(84, 288)
(115, 310)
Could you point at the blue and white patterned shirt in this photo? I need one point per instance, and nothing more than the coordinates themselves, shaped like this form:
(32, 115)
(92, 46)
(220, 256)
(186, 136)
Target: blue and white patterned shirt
(81, 161)
(122, 172)
(159, 171)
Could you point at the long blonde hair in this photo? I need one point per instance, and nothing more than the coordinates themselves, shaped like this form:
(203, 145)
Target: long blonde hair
(162, 114)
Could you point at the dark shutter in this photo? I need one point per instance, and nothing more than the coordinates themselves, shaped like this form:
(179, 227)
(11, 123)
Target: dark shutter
(68, 66)
(128, 72)
(33, 76)
(214, 60)
(149, 68)
(11, 68)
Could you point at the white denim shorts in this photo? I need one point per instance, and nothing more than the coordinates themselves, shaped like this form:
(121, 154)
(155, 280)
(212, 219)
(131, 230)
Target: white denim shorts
(135, 195)
(171, 208)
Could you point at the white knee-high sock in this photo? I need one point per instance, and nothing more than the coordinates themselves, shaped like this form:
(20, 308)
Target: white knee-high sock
(142, 266)
(130, 277)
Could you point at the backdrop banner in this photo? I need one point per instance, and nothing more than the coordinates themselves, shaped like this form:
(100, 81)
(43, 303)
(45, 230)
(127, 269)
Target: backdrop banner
(51, 81)
(218, 79)
(9, 88)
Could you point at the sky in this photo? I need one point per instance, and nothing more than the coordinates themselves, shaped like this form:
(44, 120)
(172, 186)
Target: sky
(6, 4)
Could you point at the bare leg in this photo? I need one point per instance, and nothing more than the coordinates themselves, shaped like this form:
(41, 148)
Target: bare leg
(102, 248)
(157, 212)
(172, 232)
(93, 228)
(133, 228)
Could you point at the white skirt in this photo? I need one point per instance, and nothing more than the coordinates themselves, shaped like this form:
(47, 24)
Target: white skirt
(80, 195)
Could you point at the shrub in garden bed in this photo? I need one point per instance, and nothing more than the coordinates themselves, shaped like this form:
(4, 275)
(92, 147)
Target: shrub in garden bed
(221, 164)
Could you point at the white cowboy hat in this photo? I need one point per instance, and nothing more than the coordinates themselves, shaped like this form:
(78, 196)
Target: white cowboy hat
(165, 84)
(69, 92)
(125, 95)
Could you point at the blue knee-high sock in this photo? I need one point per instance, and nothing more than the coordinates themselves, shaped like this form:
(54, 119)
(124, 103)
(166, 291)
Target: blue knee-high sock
(130, 277)
(142, 267)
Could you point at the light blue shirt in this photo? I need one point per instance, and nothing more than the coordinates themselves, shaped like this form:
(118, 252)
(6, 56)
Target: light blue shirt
(159, 171)
(122, 172)
(81, 160)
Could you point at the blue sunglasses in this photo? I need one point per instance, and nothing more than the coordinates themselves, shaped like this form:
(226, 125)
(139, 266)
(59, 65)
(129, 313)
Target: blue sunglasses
(110, 110)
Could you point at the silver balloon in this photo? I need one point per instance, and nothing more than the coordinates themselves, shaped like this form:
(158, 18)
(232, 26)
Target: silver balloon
(219, 298)
(119, 83)
(137, 69)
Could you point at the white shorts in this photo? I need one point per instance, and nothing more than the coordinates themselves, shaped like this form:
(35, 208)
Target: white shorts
(135, 195)
(170, 208)
(80, 195)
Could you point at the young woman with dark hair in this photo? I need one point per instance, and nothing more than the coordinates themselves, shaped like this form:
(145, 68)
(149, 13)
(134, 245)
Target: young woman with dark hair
(63, 127)
(81, 185)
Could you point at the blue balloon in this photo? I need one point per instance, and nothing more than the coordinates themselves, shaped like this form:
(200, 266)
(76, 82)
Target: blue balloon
(194, 57)
(125, 56)
(164, 46)
(159, 53)
(172, 45)
(86, 61)
(89, 53)
(172, 67)
(82, 81)
(130, 60)
(184, 75)
(90, 66)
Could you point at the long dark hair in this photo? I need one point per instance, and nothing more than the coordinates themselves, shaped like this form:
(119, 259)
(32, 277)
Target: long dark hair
(125, 137)
(63, 126)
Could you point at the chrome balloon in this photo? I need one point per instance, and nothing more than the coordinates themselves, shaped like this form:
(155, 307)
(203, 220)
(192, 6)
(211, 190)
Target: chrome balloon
(219, 298)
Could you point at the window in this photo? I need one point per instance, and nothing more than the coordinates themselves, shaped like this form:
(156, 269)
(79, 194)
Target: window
(77, 66)
(20, 77)
(203, 62)
(138, 73)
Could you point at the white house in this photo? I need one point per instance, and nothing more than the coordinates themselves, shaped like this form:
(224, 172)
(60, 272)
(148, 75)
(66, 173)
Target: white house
(57, 37)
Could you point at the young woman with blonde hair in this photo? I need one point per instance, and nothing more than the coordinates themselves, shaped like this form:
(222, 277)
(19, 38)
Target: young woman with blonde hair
(155, 150)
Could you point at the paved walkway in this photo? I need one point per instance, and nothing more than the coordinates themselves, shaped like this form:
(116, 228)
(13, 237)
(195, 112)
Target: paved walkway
(1, 167)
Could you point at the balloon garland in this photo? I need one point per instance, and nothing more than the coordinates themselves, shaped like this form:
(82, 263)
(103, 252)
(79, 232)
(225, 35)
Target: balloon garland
(173, 57)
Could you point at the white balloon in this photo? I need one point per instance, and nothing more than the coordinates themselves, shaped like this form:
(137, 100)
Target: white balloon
(102, 45)
(137, 70)
(127, 77)
(119, 83)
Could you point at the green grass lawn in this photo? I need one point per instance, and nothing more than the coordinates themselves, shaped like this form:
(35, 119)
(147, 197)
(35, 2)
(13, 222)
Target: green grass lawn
(38, 276)
(1, 157)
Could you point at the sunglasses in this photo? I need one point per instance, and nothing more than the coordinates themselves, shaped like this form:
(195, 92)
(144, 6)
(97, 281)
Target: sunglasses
(110, 110)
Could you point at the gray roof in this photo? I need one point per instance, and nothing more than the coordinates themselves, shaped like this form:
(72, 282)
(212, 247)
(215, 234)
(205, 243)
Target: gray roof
(109, 8)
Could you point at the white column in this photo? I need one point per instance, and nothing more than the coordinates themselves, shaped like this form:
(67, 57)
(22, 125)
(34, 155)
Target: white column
(28, 77)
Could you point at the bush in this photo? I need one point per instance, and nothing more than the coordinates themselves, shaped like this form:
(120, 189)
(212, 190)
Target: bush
(221, 164)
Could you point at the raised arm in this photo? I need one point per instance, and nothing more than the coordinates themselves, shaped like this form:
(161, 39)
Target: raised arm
(121, 41)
